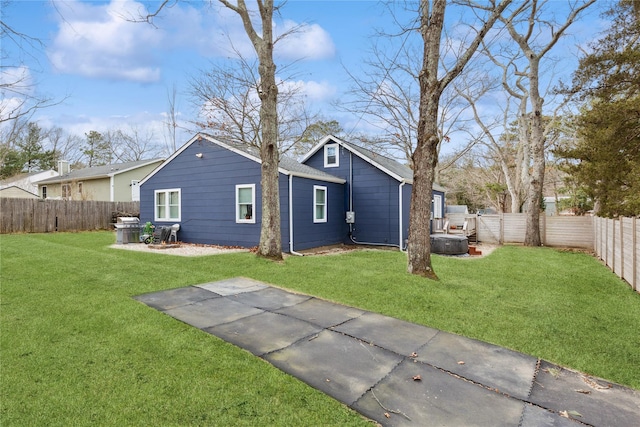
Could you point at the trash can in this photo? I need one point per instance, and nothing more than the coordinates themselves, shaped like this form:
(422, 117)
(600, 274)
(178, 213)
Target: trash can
(127, 230)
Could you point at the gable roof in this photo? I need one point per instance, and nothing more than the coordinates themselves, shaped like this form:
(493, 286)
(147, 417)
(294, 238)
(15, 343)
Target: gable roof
(31, 177)
(15, 191)
(287, 166)
(388, 165)
(97, 172)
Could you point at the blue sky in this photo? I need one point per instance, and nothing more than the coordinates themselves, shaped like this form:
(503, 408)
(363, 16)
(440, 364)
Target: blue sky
(115, 74)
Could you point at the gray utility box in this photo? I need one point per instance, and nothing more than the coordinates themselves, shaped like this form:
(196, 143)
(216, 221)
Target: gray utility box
(127, 230)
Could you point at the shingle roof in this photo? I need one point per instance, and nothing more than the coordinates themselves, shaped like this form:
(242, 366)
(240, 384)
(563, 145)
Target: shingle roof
(99, 171)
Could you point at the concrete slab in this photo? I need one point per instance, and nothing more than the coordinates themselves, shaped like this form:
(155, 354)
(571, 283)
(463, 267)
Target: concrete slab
(265, 332)
(270, 298)
(507, 371)
(172, 298)
(392, 334)
(212, 312)
(534, 416)
(597, 401)
(233, 286)
(340, 366)
(322, 313)
(437, 399)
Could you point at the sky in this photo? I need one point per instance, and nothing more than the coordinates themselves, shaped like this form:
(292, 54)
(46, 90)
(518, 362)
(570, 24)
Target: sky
(110, 73)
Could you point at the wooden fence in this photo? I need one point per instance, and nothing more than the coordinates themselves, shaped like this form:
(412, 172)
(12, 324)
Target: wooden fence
(615, 241)
(43, 216)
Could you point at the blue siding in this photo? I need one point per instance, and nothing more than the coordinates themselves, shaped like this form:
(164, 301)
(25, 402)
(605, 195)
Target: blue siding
(308, 234)
(374, 194)
(208, 186)
(207, 194)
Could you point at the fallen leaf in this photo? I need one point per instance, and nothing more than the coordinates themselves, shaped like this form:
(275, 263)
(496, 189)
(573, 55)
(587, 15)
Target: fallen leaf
(417, 378)
(461, 362)
(386, 414)
(569, 414)
(584, 391)
(414, 354)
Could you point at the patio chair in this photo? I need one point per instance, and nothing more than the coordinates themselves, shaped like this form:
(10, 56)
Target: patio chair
(174, 233)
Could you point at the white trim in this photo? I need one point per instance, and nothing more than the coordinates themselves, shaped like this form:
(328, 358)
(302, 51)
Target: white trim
(315, 204)
(167, 206)
(291, 251)
(437, 206)
(112, 188)
(326, 156)
(252, 220)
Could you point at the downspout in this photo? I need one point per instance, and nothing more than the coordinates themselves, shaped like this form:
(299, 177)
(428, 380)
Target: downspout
(112, 190)
(291, 251)
(400, 215)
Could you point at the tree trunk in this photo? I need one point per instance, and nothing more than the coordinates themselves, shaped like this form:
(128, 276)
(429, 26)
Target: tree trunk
(270, 233)
(425, 157)
(534, 191)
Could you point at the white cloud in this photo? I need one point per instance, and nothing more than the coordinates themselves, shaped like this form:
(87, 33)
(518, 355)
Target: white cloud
(314, 91)
(310, 42)
(98, 41)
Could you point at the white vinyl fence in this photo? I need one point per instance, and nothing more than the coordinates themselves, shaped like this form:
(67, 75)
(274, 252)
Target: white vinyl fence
(615, 241)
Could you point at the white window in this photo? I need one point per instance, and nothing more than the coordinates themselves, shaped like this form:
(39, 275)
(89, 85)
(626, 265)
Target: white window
(319, 204)
(168, 205)
(66, 191)
(331, 159)
(437, 206)
(245, 203)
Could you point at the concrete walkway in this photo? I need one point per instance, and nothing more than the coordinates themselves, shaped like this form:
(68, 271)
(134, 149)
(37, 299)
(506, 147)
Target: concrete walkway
(394, 372)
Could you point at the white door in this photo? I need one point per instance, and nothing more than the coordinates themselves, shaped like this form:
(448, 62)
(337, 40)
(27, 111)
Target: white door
(135, 191)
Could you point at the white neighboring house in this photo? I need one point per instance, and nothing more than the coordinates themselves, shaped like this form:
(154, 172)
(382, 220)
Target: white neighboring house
(28, 182)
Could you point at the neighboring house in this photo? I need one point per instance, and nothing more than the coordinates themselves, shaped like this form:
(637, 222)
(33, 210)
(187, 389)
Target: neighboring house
(551, 208)
(377, 190)
(112, 183)
(211, 187)
(26, 181)
(16, 193)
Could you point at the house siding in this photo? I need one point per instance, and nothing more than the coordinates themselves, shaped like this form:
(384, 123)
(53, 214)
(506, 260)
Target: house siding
(310, 234)
(122, 182)
(208, 198)
(374, 194)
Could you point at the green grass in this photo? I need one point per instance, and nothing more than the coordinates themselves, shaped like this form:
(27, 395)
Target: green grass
(76, 349)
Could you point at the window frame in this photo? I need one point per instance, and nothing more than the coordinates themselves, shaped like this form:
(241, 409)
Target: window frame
(80, 188)
(44, 191)
(315, 204)
(167, 205)
(251, 220)
(437, 206)
(65, 191)
(326, 156)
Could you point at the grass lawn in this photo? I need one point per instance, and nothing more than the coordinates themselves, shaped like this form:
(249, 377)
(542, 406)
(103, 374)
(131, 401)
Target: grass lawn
(76, 349)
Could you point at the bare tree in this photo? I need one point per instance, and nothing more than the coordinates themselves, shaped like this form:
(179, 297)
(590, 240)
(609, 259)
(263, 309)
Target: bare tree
(527, 30)
(171, 123)
(132, 144)
(387, 96)
(18, 95)
(425, 155)
(230, 106)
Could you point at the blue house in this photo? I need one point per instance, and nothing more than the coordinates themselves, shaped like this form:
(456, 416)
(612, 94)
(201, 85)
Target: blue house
(377, 191)
(212, 189)
(340, 193)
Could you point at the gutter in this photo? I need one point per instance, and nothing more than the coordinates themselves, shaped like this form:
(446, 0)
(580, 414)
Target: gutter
(291, 251)
(400, 215)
